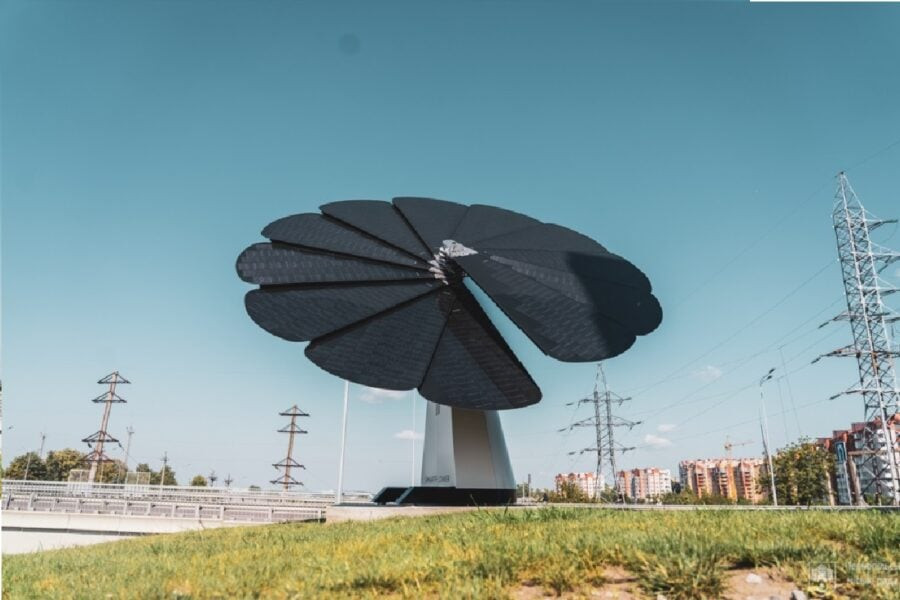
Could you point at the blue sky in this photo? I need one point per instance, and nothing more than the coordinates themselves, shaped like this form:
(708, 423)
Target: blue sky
(145, 144)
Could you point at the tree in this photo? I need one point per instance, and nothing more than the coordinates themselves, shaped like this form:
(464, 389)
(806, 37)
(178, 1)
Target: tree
(154, 475)
(609, 496)
(685, 496)
(569, 492)
(198, 481)
(30, 462)
(802, 472)
(170, 477)
(60, 462)
(112, 471)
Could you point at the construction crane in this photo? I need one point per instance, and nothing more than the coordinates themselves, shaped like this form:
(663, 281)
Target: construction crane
(729, 445)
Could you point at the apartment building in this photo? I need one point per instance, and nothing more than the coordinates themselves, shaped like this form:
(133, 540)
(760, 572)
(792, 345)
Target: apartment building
(852, 477)
(734, 478)
(644, 484)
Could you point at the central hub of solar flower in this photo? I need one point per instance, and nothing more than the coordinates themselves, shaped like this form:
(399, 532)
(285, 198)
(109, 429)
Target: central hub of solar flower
(444, 267)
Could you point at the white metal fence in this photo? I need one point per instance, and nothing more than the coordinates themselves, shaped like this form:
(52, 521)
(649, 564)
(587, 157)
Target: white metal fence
(176, 494)
(149, 508)
(225, 504)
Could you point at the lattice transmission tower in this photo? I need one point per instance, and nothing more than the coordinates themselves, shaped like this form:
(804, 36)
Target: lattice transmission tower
(870, 321)
(604, 423)
(97, 440)
(288, 462)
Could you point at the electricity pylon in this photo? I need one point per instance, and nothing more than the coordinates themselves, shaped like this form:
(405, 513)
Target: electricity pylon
(288, 462)
(96, 441)
(604, 423)
(861, 265)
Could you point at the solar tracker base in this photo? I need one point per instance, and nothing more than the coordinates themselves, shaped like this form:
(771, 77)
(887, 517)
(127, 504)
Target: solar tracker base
(445, 496)
(388, 495)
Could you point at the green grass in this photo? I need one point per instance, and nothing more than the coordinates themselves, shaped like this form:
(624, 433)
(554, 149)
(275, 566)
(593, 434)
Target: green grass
(484, 554)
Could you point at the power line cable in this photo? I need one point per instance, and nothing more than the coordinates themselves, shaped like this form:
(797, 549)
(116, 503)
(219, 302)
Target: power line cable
(744, 328)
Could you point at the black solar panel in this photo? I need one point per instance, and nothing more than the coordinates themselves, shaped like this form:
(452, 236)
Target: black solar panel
(377, 288)
(319, 232)
(381, 220)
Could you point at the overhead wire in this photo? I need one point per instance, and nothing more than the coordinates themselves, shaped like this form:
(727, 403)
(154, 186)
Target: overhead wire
(787, 381)
(735, 334)
(742, 329)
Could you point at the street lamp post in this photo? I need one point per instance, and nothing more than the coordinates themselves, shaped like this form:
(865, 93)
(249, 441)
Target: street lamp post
(339, 495)
(764, 425)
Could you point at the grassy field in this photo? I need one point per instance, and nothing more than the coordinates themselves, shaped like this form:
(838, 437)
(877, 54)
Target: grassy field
(484, 554)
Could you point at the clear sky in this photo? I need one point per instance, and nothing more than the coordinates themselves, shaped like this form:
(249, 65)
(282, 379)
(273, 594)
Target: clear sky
(145, 144)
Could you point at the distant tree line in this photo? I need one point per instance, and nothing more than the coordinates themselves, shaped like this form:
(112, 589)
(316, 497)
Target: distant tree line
(57, 465)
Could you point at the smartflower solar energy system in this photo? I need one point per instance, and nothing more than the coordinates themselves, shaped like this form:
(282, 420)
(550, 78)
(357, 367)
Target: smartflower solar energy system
(378, 289)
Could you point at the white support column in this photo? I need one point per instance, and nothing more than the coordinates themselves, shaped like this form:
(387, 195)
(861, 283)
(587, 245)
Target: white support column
(465, 449)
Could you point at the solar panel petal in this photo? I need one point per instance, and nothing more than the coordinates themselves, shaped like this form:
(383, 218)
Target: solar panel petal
(544, 236)
(592, 265)
(391, 350)
(560, 326)
(302, 313)
(381, 220)
(484, 222)
(473, 367)
(322, 233)
(433, 220)
(272, 264)
(587, 281)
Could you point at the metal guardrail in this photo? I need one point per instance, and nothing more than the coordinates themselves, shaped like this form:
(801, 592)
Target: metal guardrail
(150, 508)
(174, 494)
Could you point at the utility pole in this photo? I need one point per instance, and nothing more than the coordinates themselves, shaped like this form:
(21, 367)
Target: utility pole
(213, 478)
(862, 261)
(604, 424)
(764, 430)
(288, 462)
(162, 474)
(339, 495)
(40, 456)
(228, 480)
(130, 431)
(412, 469)
(96, 441)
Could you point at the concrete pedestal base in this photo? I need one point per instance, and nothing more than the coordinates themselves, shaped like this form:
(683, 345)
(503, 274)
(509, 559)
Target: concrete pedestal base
(445, 496)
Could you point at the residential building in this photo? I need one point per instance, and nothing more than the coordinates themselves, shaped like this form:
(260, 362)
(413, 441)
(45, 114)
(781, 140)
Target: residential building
(734, 478)
(644, 484)
(852, 478)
